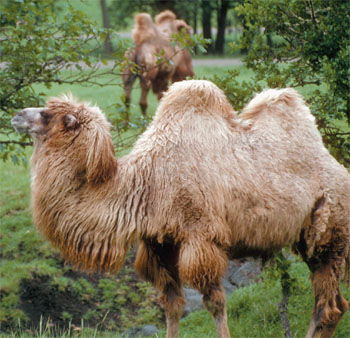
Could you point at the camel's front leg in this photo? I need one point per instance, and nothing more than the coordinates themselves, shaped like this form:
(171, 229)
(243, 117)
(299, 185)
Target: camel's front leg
(145, 87)
(128, 81)
(214, 301)
(172, 302)
(157, 263)
(202, 265)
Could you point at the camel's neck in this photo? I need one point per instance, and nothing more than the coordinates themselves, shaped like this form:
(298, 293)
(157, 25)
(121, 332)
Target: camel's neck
(92, 224)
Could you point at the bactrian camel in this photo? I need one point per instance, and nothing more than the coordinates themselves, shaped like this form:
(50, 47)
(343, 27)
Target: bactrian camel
(159, 62)
(199, 187)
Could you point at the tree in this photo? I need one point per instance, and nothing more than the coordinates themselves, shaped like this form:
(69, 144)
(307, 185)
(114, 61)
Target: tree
(105, 20)
(38, 41)
(206, 20)
(221, 23)
(310, 52)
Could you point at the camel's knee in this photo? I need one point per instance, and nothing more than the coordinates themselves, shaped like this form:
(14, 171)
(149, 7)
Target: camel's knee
(329, 311)
(330, 305)
(327, 314)
(201, 263)
(172, 301)
(214, 300)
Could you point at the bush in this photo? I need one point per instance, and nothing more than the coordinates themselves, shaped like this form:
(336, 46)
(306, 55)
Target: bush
(303, 44)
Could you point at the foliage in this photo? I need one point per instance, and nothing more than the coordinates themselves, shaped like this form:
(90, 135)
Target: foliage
(37, 43)
(309, 50)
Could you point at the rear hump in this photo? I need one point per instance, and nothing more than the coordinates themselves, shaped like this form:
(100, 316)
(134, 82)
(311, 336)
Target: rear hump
(276, 98)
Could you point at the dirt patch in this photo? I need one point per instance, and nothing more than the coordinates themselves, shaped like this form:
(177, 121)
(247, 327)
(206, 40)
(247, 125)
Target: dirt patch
(42, 301)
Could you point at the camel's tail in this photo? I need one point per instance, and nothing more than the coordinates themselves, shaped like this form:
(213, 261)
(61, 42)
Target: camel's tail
(165, 16)
(144, 28)
(347, 268)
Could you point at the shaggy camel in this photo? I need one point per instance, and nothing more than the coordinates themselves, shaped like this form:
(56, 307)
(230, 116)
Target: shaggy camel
(168, 24)
(159, 61)
(199, 187)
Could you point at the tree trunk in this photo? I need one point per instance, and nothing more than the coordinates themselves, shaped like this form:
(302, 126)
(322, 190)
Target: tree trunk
(206, 22)
(162, 5)
(220, 37)
(105, 21)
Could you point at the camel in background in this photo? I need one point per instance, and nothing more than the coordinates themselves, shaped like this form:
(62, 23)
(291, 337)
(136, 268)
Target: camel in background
(158, 61)
(168, 24)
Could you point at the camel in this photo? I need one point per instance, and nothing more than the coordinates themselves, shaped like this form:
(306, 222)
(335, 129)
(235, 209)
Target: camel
(158, 60)
(168, 24)
(201, 186)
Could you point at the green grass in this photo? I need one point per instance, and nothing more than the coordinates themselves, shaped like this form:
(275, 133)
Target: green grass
(90, 7)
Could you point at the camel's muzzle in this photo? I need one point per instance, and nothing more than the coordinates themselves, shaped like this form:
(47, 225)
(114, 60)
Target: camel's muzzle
(28, 120)
(20, 123)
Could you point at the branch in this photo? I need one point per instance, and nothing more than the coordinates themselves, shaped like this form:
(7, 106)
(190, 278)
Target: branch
(312, 12)
(283, 307)
(23, 144)
(283, 266)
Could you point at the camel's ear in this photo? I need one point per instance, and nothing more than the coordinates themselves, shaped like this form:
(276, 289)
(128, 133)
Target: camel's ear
(101, 163)
(70, 122)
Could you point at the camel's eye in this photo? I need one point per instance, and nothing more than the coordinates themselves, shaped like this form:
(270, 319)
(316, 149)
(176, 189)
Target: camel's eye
(70, 122)
(45, 116)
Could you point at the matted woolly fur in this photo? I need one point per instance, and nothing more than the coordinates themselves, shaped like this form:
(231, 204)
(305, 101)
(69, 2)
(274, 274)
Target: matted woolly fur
(199, 187)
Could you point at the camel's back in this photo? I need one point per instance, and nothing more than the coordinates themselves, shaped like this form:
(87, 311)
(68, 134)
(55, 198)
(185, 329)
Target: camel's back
(232, 183)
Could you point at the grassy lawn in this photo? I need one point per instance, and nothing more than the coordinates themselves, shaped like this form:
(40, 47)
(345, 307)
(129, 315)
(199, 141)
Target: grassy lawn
(91, 8)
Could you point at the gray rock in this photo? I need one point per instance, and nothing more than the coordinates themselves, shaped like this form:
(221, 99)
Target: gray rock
(149, 330)
(229, 288)
(193, 301)
(247, 273)
(144, 331)
(232, 268)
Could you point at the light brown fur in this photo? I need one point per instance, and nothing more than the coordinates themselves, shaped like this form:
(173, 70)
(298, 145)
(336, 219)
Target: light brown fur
(199, 187)
(152, 39)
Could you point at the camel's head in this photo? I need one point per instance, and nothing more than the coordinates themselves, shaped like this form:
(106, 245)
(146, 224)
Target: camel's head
(75, 130)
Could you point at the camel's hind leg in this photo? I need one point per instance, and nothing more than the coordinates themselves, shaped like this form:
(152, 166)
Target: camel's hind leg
(202, 265)
(326, 266)
(157, 263)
